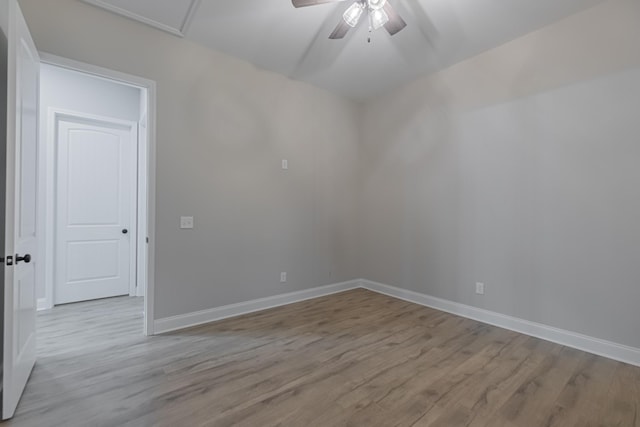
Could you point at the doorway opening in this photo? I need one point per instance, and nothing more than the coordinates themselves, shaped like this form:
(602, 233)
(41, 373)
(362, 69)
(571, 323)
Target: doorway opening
(96, 190)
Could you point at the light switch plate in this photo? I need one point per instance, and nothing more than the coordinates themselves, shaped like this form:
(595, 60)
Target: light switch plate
(186, 222)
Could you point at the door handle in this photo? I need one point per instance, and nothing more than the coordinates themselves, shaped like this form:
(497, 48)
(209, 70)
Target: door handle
(125, 231)
(26, 258)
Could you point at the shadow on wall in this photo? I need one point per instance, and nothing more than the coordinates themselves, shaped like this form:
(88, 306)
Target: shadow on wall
(531, 193)
(410, 159)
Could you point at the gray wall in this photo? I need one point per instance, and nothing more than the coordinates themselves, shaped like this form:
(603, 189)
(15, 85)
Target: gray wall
(223, 128)
(519, 169)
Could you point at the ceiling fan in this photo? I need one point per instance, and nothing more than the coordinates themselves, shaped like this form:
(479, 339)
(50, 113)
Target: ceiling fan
(379, 13)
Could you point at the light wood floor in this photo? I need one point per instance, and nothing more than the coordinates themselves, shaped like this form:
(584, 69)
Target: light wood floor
(353, 359)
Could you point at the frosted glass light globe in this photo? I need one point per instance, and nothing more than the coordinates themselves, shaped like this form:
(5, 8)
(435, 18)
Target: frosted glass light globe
(376, 4)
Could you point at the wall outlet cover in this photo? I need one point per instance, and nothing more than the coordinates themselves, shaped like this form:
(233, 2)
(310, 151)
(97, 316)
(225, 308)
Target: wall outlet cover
(186, 222)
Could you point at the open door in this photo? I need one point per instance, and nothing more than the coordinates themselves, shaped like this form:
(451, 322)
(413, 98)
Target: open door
(20, 238)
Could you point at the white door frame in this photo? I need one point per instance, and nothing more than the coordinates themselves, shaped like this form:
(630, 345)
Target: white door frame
(146, 184)
(137, 223)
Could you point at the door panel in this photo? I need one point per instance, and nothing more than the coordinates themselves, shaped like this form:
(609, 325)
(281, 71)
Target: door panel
(95, 184)
(92, 154)
(26, 302)
(21, 237)
(29, 71)
(95, 260)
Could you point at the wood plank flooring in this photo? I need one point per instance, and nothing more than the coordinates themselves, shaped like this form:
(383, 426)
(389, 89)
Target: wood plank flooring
(351, 359)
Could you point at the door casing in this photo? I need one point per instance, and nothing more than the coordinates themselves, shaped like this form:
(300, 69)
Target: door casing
(145, 237)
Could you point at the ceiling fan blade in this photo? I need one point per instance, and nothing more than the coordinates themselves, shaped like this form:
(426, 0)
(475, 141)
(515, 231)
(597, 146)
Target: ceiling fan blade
(304, 3)
(395, 23)
(340, 31)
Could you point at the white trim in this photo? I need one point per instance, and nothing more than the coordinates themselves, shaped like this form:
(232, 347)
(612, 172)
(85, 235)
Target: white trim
(182, 321)
(150, 87)
(105, 73)
(141, 202)
(188, 19)
(42, 304)
(575, 340)
(180, 32)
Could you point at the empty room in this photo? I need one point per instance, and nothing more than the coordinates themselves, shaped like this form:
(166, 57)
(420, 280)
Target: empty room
(320, 213)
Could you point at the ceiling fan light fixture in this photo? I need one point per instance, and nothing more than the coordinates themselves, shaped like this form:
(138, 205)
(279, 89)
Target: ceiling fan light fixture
(353, 14)
(378, 18)
(379, 13)
(376, 4)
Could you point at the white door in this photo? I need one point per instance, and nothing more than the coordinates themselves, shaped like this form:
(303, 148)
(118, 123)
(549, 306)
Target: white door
(95, 215)
(23, 67)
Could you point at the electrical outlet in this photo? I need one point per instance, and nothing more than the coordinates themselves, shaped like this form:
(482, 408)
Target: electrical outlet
(480, 288)
(186, 222)
(283, 277)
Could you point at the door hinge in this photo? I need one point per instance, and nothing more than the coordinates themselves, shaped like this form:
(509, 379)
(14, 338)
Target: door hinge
(147, 240)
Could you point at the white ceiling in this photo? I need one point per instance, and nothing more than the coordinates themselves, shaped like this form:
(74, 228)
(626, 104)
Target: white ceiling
(274, 35)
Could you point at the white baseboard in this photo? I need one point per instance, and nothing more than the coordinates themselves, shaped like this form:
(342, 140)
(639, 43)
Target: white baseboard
(182, 321)
(582, 342)
(575, 340)
(42, 304)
